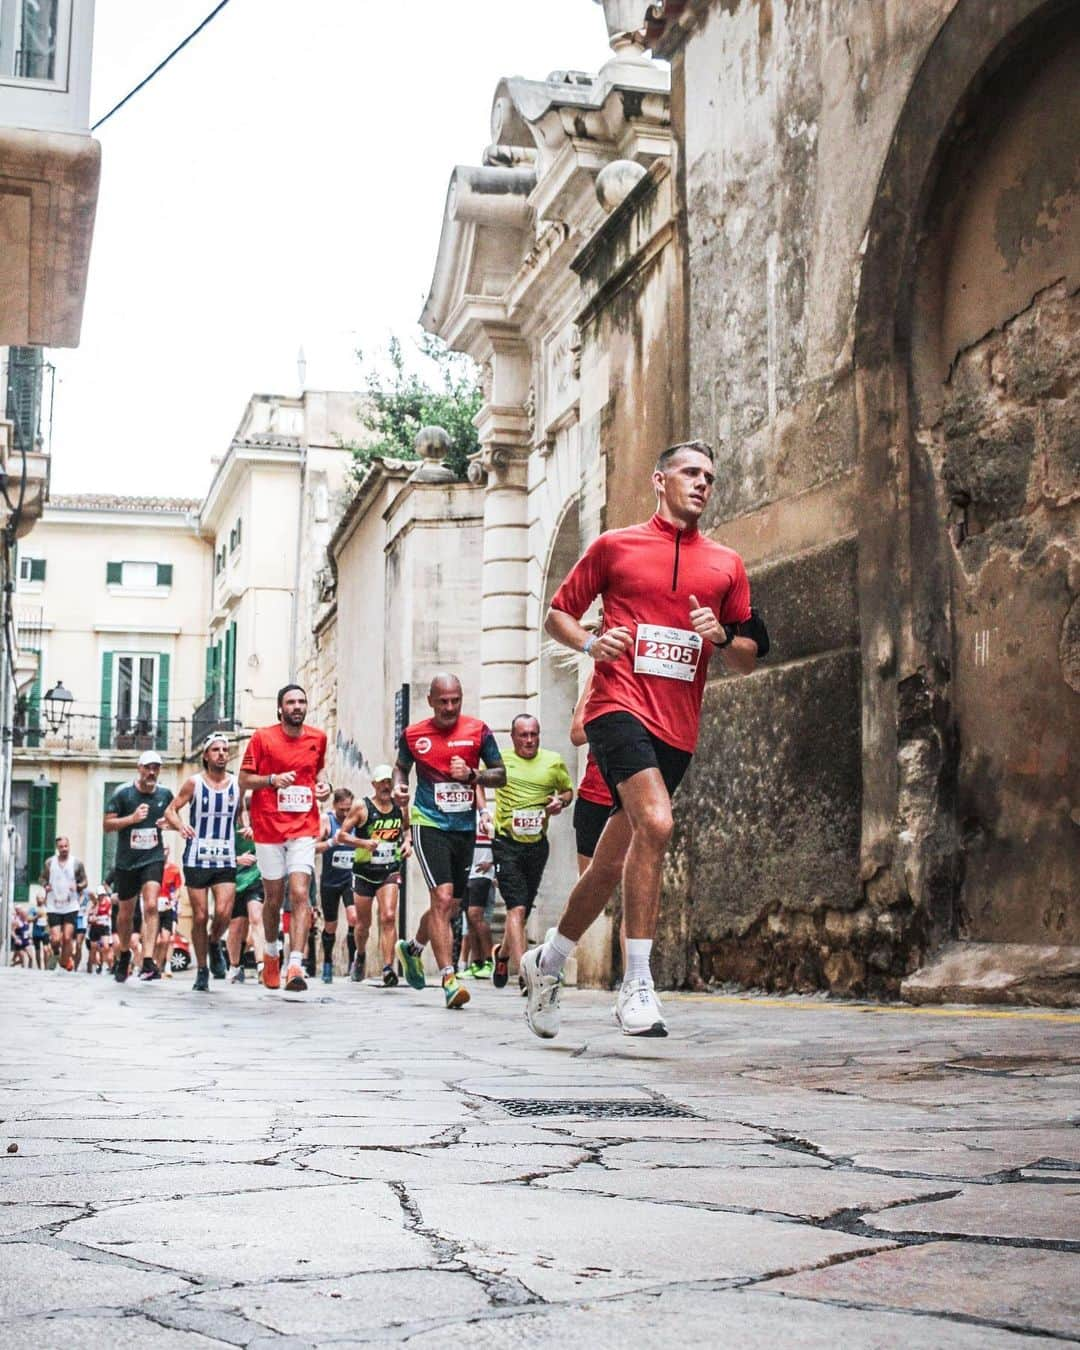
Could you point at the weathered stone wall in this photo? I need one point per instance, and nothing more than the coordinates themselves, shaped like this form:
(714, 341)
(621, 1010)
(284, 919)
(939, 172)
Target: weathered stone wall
(789, 110)
(823, 837)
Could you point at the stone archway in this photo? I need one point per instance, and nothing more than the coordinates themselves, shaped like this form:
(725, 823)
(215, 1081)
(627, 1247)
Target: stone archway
(965, 387)
(558, 689)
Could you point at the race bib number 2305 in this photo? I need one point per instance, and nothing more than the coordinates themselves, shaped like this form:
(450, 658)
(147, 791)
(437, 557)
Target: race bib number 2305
(671, 653)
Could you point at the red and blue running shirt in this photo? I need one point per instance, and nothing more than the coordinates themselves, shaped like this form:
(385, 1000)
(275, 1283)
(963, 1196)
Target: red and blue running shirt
(440, 801)
(645, 576)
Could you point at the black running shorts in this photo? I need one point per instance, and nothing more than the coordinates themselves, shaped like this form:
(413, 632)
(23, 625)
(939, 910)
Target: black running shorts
(129, 884)
(519, 868)
(330, 900)
(166, 919)
(445, 856)
(244, 898)
(202, 878)
(622, 746)
(59, 920)
(481, 894)
(589, 821)
(366, 885)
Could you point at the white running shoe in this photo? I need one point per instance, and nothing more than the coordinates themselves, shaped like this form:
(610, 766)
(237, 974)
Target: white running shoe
(541, 996)
(638, 1010)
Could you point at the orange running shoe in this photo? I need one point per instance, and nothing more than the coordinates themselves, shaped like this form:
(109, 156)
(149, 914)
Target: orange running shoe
(69, 964)
(271, 971)
(295, 982)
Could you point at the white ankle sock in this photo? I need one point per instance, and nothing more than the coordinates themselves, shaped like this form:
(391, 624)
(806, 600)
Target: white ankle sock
(273, 949)
(296, 957)
(555, 953)
(638, 952)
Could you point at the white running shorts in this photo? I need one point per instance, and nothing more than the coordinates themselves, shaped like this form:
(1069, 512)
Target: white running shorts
(281, 860)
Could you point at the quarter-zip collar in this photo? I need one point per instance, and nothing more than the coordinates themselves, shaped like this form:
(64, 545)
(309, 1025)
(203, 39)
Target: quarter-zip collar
(679, 537)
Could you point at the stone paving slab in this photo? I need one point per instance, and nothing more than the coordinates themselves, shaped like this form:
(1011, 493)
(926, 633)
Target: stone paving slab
(749, 1321)
(369, 1182)
(1025, 1209)
(1005, 1285)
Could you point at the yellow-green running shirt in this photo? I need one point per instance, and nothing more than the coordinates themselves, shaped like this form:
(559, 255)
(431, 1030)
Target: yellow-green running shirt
(519, 806)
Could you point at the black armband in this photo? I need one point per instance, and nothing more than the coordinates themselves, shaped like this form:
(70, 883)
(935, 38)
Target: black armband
(754, 627)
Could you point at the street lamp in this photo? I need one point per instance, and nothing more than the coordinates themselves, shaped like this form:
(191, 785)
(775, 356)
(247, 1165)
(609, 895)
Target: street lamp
(58, 702)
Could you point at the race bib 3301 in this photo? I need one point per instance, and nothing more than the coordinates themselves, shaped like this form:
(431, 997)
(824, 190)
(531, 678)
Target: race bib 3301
(295, 798)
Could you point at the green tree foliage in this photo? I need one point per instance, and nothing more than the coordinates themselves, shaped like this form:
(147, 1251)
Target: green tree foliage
(400, 401)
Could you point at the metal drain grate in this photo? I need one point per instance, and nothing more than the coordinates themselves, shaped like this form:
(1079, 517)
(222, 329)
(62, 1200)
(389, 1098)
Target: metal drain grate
(594, 1110)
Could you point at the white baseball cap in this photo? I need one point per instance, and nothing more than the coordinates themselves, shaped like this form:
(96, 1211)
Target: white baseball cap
(149, 757)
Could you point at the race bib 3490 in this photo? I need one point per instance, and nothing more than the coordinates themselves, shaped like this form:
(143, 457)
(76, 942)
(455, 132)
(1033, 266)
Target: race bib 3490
(454, 797)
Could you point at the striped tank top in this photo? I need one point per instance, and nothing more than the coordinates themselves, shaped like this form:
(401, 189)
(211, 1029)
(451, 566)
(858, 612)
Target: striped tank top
(212, 815)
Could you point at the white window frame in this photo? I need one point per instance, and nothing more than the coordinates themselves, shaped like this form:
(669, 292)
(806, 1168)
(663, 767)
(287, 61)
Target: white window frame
(136, 657)
(62, 103)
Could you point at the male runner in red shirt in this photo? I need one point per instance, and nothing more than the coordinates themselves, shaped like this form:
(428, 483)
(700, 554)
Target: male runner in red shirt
(447, 750)
(282, 768)
(670, 596)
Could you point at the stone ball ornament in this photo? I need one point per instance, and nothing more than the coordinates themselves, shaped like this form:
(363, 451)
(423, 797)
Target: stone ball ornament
(616, 181)
(433, 444)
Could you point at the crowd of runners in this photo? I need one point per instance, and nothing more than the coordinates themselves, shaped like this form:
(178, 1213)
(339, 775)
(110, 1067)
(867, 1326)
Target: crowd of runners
(274, 855)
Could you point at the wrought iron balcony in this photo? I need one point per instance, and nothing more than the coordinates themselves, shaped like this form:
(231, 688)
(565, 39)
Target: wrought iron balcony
(89, 734)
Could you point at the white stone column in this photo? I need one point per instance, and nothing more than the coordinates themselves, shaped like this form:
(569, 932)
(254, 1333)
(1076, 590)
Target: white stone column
(504, 428)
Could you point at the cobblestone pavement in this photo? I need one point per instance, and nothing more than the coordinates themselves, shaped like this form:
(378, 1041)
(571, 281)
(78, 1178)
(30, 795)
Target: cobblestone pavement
(236, 1170)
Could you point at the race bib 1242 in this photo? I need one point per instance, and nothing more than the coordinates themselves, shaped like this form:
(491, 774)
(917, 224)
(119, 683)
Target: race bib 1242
(145, 838)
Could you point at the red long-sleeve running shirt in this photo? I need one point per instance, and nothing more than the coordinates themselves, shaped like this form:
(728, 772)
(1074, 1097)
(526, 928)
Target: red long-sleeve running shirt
(645, 576)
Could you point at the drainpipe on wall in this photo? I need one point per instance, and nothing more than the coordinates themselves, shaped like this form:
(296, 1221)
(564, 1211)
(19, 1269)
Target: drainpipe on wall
(294, 625)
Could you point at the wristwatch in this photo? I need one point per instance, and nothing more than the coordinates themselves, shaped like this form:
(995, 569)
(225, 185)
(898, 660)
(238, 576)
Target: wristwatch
(729, 636)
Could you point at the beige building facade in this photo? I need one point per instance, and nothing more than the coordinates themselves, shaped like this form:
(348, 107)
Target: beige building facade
(111, 604)
(268, 515)
(406, 563)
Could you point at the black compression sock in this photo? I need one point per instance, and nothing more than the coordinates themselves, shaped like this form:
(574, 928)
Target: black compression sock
(328, 940)
(352, 946)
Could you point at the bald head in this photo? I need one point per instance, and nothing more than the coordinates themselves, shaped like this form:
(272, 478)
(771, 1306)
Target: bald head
(443, 680)
(444, 699)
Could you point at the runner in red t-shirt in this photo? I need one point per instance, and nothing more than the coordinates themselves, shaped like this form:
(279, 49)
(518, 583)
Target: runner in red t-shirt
(282, 768)
(670, 596)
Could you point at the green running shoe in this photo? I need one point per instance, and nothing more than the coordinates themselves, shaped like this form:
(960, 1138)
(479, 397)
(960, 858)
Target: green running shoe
(413, 966)
(456, 994)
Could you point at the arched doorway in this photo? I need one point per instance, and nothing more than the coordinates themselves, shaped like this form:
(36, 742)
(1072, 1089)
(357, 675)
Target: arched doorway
(560, 672)
(969, 408)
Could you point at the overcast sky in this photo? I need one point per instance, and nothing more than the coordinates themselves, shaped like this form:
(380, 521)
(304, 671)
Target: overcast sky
(280, 184)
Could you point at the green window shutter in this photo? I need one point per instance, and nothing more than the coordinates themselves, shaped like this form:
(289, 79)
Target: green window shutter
(164, 574)
(42, 837)
(37, 569)
(105, 728)
(114, 573)
(163, 702)
(230, 672)
(108, 841)
(208, 675)
(33, 720)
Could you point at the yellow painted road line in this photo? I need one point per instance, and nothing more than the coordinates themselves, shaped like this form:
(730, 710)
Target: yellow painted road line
(878, 1009)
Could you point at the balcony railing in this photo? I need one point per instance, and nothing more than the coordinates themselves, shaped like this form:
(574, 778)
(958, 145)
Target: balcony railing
(90, 734)
(207, 718)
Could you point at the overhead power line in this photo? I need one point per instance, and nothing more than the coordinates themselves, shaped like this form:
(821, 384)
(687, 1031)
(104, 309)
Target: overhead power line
(161, 64)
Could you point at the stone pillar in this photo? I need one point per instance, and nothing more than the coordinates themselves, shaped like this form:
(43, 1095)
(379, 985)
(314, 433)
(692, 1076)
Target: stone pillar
(504, 428)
